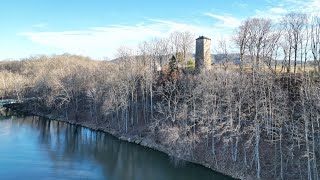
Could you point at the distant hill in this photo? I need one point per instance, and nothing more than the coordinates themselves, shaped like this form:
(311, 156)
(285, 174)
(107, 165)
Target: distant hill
(215, 59)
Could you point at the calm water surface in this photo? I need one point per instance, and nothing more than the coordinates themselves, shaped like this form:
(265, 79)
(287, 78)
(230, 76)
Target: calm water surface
(36, 148)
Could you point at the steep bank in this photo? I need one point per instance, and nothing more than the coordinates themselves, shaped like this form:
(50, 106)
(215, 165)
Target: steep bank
(146, 141)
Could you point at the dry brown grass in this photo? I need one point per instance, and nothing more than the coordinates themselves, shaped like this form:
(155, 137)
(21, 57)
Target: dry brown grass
(264, 68)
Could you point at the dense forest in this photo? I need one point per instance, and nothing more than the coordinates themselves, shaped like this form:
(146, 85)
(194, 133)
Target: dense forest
(257, 119)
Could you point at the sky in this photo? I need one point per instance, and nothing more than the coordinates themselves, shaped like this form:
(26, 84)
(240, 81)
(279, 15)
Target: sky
(97, 28)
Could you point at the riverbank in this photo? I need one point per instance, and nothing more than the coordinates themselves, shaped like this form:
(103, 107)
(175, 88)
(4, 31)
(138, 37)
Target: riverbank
(146, 141)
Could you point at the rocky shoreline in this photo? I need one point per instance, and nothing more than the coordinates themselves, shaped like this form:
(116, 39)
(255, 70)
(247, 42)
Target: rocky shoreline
(146, 141)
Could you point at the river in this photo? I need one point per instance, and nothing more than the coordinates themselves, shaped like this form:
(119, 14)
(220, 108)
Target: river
(36, 148)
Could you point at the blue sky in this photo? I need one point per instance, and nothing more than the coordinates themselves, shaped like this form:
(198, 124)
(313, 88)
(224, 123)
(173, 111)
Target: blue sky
(97, 28)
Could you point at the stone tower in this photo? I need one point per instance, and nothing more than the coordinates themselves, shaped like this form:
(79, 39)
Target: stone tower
(203, 54)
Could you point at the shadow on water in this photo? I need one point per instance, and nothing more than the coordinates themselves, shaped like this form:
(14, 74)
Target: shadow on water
(70, 149)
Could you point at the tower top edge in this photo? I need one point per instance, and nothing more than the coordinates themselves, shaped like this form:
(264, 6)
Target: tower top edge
(203, 37)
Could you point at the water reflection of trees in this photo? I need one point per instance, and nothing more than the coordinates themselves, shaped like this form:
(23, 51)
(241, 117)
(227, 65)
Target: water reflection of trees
(5, 113)
(67, 145)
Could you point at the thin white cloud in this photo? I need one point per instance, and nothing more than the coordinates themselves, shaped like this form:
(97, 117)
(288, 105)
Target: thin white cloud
(306, 6)
(315, 5)
(225, 20)
(278, 10)
(99, 42)
(270, 14)
(40, 25)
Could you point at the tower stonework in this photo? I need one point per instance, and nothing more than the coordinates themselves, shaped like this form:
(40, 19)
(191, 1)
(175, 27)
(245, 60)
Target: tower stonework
(203, 54)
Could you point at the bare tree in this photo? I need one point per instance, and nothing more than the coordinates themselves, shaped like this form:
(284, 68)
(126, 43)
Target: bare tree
(187, 45)
(294, 25)
(223, 53)
(182, 45)
(241, 39)
(315, 41)
(253, 37)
